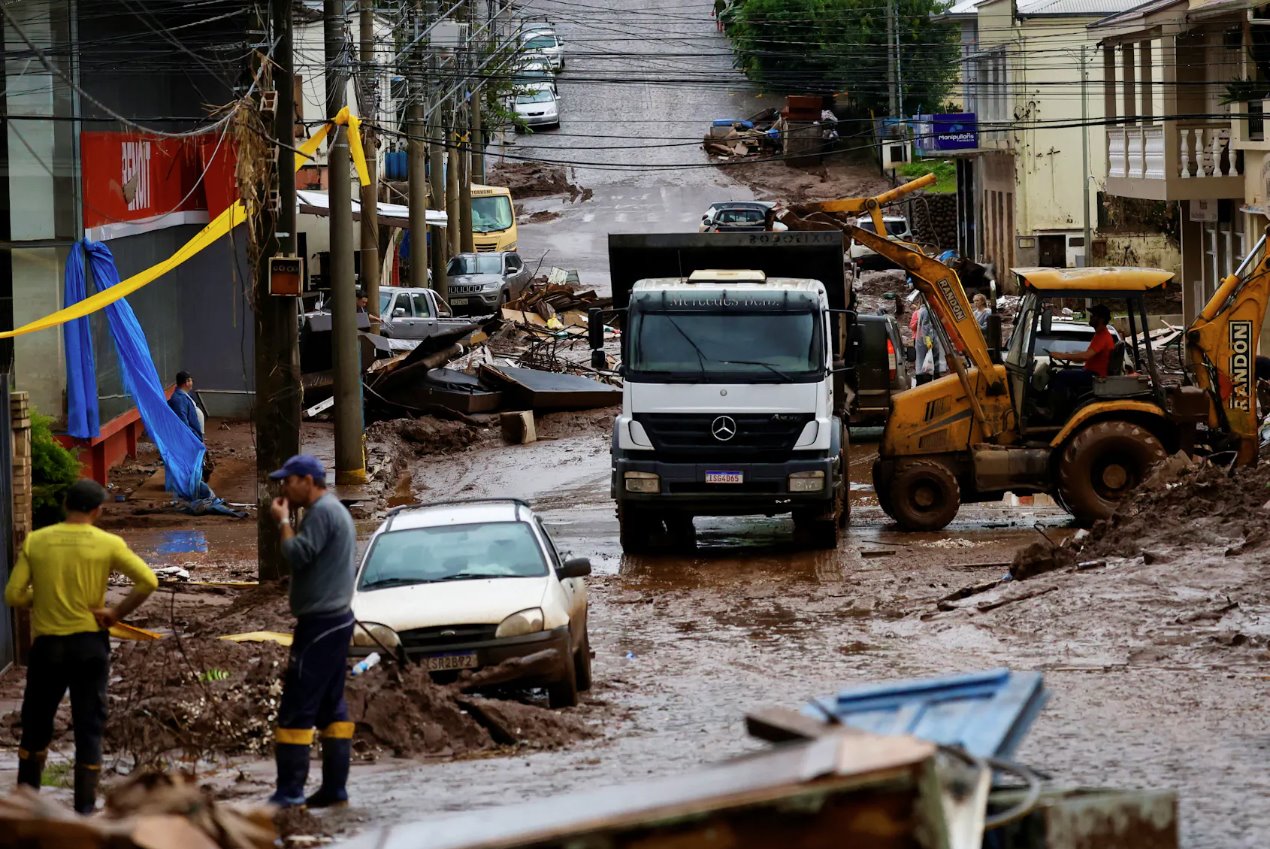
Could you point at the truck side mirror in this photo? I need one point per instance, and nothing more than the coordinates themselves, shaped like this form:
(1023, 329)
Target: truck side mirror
(595, 329)
(993, 336)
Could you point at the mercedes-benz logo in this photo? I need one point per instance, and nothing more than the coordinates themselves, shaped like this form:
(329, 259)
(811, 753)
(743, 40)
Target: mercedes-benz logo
(723, 428)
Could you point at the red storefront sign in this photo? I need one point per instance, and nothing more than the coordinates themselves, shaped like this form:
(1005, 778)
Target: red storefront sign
(129, 177)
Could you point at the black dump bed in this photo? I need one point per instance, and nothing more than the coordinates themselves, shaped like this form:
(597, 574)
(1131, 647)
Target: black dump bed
(814, 255)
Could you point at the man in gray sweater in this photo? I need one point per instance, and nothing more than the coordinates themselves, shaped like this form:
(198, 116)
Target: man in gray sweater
(321, 553)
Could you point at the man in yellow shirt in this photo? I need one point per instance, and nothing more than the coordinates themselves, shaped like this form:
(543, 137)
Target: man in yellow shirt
(61, 575)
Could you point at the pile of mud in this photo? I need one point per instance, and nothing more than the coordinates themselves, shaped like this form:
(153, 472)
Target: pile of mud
(201, 697)
(425, 435)
(535, 179)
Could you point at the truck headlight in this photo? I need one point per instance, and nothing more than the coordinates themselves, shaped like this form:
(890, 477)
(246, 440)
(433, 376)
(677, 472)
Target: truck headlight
(374, 635)
(642, 482)
(522, 623)
(807, 481)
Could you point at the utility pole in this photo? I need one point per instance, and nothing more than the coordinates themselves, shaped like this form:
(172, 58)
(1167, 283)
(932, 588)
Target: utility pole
(452, 183)
(463, 133)
(436, 165)
(1084, 148)
(350, 465)
(893, 106)
(476, 133)
(370, 194)
(417, 160)
(899, 63)
(276, 412)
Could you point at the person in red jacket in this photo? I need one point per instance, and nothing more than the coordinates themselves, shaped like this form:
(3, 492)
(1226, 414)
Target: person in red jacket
(1096, 358)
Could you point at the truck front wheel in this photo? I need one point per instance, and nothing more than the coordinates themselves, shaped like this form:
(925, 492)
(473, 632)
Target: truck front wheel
(635, 529)
(923, 495)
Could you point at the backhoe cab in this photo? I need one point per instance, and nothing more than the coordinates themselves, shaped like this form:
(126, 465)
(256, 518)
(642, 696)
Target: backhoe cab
(1010, 424)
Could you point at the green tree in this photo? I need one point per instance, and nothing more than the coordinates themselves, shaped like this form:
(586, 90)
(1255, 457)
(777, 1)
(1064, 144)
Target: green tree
(825, 46)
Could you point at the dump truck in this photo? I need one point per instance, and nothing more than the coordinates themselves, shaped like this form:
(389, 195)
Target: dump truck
(995, 425)
(736, 363)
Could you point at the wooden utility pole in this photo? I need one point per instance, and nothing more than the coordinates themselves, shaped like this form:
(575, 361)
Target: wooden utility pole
(891, 92)
(417, 160)
(452, 172)
(436, 165)
(350, 463)
(276, 412)
(463, 135)
(369, 88)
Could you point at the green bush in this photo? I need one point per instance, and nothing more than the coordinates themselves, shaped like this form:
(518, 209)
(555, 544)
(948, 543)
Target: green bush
(53, 470)
(945, 174)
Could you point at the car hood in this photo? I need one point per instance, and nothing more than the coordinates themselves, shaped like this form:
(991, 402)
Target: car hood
(475, 602)
(482, 279)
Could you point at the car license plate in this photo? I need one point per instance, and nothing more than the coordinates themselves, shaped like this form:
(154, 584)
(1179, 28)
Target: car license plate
(725, 477)
(459, 302)
(453, 660)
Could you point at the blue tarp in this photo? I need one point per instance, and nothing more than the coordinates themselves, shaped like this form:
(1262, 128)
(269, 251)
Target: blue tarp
(181, 450)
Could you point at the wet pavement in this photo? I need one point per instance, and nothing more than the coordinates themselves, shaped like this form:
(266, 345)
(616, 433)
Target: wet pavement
(641, 83)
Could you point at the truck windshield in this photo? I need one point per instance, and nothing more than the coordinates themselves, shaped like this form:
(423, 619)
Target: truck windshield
(490, 213)
(724, 347)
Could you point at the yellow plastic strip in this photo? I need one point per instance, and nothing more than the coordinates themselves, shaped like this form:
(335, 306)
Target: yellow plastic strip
(124, 631)
(209, 235)
(259, 637)
(293, 736)
(339, 731)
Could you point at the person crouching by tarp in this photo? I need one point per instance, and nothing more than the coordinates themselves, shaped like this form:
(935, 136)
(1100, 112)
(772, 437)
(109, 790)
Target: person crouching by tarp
(61, 575)
(321, 553)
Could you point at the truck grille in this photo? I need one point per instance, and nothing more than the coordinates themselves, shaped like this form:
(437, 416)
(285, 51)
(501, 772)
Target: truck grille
(446, 635)
(759, 437)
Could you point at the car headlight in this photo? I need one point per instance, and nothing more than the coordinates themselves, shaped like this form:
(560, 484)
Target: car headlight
(642, 482)
(807, 481)
(522, 623)
(374, 635)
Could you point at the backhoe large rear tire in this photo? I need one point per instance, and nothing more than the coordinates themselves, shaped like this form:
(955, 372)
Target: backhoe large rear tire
(923, 495)
(1102, 464)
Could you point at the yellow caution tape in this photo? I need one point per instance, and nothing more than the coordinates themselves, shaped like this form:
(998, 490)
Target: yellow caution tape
(124, 631)
(212, 233)
(260, 637)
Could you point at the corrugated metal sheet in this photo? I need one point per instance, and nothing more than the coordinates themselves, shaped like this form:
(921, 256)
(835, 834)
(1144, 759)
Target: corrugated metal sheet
(985, 713)
(1093, 8)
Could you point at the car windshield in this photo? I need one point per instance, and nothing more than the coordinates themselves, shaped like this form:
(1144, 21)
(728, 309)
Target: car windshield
(475, 264)
(1064, 344)
(733, 346)
(740, 215)
(453, 552)
(541, 95)
(541, 42)
(491, 213)
(385, 298)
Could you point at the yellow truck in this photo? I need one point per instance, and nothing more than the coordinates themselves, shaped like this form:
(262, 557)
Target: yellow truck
(493, 218)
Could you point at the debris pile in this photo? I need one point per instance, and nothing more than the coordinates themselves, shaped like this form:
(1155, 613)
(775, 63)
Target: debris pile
(147, 810)
(535, 179)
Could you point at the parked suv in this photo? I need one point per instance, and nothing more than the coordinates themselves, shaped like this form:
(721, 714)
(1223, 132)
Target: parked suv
(897, 230)
(465, 585)
(480, 283)
(881, 368)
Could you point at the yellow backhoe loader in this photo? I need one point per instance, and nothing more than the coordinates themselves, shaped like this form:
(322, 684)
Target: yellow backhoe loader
(1000, 424)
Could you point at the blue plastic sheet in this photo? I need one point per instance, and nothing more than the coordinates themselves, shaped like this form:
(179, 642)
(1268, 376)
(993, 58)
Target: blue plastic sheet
(181, 450)
(82, 415)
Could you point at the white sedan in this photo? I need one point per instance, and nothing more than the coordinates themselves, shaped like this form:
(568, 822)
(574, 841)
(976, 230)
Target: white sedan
(467, 585)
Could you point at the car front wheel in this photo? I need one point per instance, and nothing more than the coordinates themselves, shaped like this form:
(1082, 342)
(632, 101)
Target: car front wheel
(564, 693)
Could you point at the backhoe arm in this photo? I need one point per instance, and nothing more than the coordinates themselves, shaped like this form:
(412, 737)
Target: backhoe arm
(1221, 350)
(943, 292)
(873, 205)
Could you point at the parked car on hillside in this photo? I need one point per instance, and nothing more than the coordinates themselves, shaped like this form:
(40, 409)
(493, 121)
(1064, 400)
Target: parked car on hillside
(466, 585)
(480, 283)
(897, 229)
(532, 71)
(536, 106)
(734, 217)
(546, 43)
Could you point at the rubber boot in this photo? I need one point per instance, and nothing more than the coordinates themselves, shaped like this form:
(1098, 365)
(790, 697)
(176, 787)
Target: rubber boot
(336, 755)
(86, 778)
(31, 769)
(293, 771)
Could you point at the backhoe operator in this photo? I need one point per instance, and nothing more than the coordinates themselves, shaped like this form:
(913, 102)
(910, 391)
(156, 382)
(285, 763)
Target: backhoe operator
(1097, 357)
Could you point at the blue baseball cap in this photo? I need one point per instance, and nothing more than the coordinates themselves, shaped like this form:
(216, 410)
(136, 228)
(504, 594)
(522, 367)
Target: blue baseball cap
(301, 465)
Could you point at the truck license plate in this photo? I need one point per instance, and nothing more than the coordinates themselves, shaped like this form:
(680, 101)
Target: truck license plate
(446, 662)
(459, 302)
(725, 477)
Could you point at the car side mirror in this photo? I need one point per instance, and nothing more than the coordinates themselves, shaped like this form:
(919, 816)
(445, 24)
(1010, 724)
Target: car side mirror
(595, 329)
(398, 312)
(577, 567)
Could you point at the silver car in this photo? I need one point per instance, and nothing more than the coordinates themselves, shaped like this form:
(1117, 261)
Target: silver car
(481, 283)
(407, 313)
(545, 43)
(537, 106)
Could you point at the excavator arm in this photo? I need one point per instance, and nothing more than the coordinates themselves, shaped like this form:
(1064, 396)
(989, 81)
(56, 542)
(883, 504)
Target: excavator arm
(1221, 350)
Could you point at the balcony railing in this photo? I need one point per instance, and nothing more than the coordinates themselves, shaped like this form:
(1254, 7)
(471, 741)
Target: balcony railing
(1176, 155)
